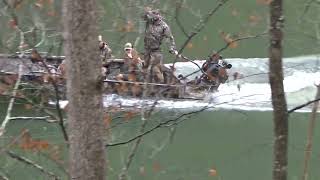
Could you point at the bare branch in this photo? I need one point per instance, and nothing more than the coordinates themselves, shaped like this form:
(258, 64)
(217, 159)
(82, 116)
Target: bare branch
(45, 118)
(31, 163)
(3, 177)
(225, 47)
(199, 27)
(303, 105)
(306, 8)
(57, 104)
(161, 124)
(176, 17)
(10, 106)
(133, 151)
(241, 38)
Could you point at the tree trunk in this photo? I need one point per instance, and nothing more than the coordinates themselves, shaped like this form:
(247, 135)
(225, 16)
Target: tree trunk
(85, 113)
(280, 114)
(312, 123)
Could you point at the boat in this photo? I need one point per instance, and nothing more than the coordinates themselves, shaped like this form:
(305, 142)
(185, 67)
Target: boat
(175, 86)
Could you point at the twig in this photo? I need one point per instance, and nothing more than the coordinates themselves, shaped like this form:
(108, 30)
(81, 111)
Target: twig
(171, 122)
(225, 47)
(199, 27)
(45, 118)
(306, 8)
(192, 61)
(144, 117)
(308, 147)
(3, 177)
(303, 105)
(133, 151)
(31, 163)
(177, 13)
(27, 118)
(239, 39)
(156, 127)
(57, 104)
(14, 93)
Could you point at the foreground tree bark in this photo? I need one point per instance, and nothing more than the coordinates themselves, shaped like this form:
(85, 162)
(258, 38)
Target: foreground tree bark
(280, 114)
(85, 124)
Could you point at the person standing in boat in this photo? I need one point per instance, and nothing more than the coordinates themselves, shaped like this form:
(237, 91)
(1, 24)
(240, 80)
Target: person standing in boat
(105, 50)
(105, 53)
(156, 30)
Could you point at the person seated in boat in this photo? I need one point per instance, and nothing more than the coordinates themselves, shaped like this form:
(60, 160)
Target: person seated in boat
(216, 58)
(214, 70)
(131, 70)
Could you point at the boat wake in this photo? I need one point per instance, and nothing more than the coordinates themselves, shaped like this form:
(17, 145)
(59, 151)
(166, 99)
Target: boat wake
(249, 93)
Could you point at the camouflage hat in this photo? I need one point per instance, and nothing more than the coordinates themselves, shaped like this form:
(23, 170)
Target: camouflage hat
(127, 46)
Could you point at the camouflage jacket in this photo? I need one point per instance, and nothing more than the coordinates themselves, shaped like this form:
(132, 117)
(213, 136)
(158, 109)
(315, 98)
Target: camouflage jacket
(155, 33)
(105, 52)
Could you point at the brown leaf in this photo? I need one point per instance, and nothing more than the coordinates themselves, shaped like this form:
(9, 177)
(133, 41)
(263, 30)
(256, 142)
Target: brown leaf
(142, 171)
(189, 45)
(107, 120)
(10, 79)
(127, 27)
(156, 167)
(50, 1)
(136, 89)
(264, 2)
(227, 38)
(4, 88)
(12, 24)
(55, 153)
(39, 4)
(234, 12)
(129, 115)
(212, 172)
(254, 19)
(28, 106)
(132, 77)
(51, 13)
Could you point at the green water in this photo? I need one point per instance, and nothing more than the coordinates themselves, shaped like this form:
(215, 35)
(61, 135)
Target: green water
(237, 144)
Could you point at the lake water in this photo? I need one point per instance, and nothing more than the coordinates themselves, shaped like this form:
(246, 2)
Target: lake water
(234, 137)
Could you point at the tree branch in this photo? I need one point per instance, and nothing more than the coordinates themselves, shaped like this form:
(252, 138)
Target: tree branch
(239, 39)
(57, 104)
(199, 27)
(176, 17)
(45, 118)
(161, 124)
(2, 177)
(225, 47)
(31, 163)
(306, 8)
(10, 106)
(303, 105)
(124, 172)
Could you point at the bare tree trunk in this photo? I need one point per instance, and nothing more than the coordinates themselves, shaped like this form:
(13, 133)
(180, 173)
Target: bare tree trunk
(307, 153)
(280, 114)
(85, 113)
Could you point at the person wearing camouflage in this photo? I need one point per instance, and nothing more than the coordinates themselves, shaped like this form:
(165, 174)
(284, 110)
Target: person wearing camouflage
(156, 30)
